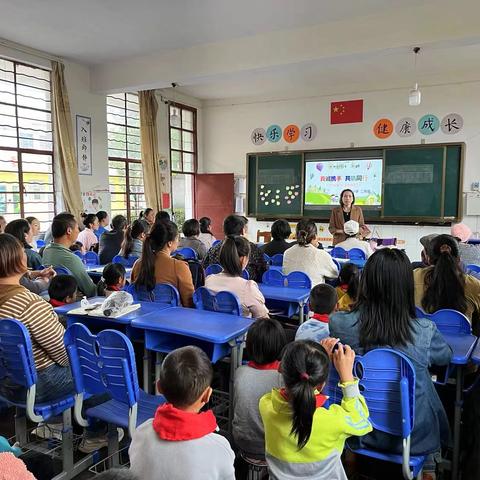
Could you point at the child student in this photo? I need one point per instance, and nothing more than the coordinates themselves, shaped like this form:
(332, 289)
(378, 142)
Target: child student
(303, 439)
(62, 290)
(180, 442)
(349, 286)
(265, 342)
(323, 301)
(113, 279)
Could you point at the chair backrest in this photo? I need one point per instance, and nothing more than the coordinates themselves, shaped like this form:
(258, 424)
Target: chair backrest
(103, 363)
(356, 254)
(16, 356)
(337, 263)
(61, 270)
(163, 293)
(126, 262)
(245, 275)
(40, 243)
(277, 260)
(216, 242)
(186, 252)
(387, 381)
(331, 388)
(91, 258)
(224, 302)
(213, 269)
(79, 254)
(339, 252)
(298, 280)
(274, 278)
(473, 268)
(267, 258)
(451, 322)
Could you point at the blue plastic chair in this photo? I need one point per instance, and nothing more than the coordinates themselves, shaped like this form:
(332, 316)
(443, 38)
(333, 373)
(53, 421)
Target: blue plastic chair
(277, 260)
(163, 293)
(213, 269)
(91, 258)
(339, 252)
(40, 244)
(61, 270)
(224, 302)
(245, 275)
(216, 242)
(356, 254)
(420, 313)
(473, 268)
(187, 253)
(387, 381)
(126, 262)
(275, 278)
(267, 258)
(298, 280)
(79, 254)
(451, 322)
(105, 363)
(17, 367)
(337, 263)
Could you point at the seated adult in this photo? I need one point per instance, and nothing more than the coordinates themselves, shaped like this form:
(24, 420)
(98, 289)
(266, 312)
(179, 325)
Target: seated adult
(57, 253)
(304, 256)
(3, 223)
(385, 316)
(280, 232)
(206, 236)
(191, 230)
(351, 229)
(35, 224)
(234, 258)
(37, 281)
(102, 223)
(147, 217)
(237, 225)
(156, 264)
(469, 254)
(22, 231)
(46, 332)
(111, 241)
(443, 284)
(425, 242)
(162, 216)
(87, 236)
(133, 241)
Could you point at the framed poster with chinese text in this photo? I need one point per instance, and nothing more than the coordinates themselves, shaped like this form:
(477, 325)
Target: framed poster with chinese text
(84, 145)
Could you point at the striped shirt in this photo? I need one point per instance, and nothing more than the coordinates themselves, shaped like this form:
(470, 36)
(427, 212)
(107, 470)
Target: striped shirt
(46, 332)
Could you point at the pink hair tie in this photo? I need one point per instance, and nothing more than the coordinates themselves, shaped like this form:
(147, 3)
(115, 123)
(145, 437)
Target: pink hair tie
(305, 376)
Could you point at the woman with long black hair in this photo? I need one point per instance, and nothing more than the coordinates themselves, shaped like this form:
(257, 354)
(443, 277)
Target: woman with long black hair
(384, 316)
(444, 284)
(156, 264)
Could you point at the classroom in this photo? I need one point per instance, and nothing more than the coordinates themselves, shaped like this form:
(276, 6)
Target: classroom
(239, 240)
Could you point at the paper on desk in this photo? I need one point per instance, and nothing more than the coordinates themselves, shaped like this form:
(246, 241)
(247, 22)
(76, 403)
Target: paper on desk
(97, 312)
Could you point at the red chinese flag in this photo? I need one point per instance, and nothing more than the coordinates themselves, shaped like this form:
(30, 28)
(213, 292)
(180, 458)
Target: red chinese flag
(350, 111)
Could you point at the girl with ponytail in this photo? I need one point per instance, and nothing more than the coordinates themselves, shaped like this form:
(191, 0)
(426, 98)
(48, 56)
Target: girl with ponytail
(234, 256)
(133, 241)
(302, 438)
(156, 264)
(347, 291)
(444, 285)
(306, 256)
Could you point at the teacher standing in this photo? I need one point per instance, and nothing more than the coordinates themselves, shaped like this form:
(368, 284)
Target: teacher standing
(345, 212)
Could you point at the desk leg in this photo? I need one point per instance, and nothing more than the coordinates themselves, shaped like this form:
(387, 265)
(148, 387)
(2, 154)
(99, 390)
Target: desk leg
(302, 315)
(146, 371)
(158, 365)
(233, 367)
(457, 423)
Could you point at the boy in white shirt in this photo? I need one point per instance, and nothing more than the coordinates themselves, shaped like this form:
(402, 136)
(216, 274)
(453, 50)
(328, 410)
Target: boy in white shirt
(351, 229)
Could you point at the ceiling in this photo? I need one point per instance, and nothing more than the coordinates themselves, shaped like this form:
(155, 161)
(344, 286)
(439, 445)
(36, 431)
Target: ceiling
(219, 50)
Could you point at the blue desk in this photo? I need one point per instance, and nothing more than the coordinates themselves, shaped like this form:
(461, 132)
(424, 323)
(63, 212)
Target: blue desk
(359, 263)
(464, 348)
(217, 334)
(297, 296)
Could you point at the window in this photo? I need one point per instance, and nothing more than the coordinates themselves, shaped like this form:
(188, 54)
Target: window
(183, 157)
(26, 143)
(124, 155)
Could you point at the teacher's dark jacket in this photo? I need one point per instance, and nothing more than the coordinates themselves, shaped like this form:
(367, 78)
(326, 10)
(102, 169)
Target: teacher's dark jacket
(337, 222)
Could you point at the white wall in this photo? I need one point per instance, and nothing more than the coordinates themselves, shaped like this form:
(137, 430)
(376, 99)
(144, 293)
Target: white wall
(227, 130)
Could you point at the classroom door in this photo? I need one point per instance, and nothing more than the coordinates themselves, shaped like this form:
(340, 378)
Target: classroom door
(214, 198)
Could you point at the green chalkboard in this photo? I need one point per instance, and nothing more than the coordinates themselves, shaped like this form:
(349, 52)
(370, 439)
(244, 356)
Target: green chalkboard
(275, 185)
(421, 183)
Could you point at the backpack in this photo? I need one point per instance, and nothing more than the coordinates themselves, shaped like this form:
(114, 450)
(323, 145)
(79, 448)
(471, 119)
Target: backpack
(196, 270)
